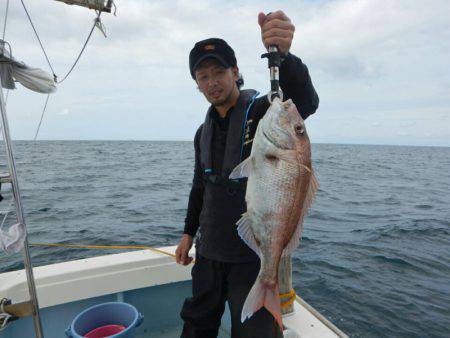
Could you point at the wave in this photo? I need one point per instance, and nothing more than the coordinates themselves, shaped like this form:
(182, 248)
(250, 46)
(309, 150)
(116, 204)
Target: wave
(393, 261)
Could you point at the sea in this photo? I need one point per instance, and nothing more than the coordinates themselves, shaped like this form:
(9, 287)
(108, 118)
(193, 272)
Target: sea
(375, 251)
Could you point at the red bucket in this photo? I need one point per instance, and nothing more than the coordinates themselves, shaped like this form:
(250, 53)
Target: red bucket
(105, 331)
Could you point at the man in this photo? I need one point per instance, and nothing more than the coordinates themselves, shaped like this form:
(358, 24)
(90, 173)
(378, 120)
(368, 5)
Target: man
(225, 268)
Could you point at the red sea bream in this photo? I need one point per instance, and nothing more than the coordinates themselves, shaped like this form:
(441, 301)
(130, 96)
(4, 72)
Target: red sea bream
(280, 189)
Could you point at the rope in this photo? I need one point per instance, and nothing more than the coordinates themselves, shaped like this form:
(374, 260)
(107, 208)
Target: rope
(7, 211)
(39, 40)
(6, 19)
(4, 316)
(291, 294)
(3, 301)
(42, 116)
(77, 246)
(4, 319)
(3, 38)
(96, 21)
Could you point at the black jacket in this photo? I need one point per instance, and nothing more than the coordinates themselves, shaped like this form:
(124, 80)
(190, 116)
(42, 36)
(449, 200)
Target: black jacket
(225, 202)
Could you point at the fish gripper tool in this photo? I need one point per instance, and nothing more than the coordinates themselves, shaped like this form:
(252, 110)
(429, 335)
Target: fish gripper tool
(274, 61)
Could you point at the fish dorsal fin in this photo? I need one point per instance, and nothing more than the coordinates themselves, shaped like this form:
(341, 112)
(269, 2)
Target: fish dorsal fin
(246, 233)
(243, 169)
(313, 186)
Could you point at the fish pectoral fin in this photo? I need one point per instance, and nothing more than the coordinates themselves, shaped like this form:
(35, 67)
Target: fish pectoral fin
(246, 233)
(243, 169)
(287, 155)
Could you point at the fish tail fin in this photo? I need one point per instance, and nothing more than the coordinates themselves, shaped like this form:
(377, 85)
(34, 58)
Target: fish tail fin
(272, 304)
(260, 296)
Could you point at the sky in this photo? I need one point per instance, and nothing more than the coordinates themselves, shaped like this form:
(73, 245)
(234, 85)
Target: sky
(381, 67)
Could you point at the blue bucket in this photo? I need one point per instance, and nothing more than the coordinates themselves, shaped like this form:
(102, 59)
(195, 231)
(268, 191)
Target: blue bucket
(114, 313)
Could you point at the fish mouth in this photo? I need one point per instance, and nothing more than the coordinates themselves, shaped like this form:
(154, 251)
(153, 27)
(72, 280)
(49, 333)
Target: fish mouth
(273, 142)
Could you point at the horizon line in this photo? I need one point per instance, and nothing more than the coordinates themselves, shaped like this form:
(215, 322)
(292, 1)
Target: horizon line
(143, 140)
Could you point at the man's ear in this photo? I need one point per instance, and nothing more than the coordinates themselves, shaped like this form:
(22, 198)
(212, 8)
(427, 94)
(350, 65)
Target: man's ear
(235, 71)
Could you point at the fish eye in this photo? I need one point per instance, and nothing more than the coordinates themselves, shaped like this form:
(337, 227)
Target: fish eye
(299, 129)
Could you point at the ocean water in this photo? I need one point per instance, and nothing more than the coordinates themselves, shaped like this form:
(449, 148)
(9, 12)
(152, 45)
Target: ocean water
(375, 252)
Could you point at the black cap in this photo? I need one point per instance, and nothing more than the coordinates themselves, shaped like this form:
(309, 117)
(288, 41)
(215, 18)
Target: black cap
(211, 48)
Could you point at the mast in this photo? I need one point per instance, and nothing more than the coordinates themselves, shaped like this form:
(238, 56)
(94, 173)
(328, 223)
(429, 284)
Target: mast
(32, 306)
(20, 218)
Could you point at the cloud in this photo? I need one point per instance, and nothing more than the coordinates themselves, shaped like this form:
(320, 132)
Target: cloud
(374, 63)
(65, 111)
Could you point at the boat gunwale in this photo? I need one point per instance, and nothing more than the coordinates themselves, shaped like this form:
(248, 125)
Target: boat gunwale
(48, 277)
(321, 317)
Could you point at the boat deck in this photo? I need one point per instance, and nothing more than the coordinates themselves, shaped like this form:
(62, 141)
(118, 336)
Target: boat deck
(150, 281)
(174, 332)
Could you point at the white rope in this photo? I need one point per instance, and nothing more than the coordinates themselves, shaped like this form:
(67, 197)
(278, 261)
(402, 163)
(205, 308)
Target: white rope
(4, 320)
(6, 212)
(3, 38)
(96, 21)
(42, 117)
(4, 316)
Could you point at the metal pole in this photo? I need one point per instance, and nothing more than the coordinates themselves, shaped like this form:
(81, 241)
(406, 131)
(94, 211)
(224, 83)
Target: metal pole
(274, 65)
(20, 218)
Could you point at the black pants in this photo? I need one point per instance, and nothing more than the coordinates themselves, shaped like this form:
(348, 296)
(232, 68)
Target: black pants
(214, 283)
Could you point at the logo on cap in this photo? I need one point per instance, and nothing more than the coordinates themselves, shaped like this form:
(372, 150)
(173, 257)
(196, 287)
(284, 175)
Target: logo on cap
(210, 47)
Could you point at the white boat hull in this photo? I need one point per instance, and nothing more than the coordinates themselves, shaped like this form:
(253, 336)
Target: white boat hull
(151, 281)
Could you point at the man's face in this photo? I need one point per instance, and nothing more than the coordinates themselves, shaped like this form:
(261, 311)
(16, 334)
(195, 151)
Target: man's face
(215, 81)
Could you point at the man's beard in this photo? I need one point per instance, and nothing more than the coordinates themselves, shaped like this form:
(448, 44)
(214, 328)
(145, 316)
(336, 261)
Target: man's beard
(221, 101)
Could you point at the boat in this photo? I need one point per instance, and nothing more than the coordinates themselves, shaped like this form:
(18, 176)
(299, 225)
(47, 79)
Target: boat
(43, 301)
(150, 281)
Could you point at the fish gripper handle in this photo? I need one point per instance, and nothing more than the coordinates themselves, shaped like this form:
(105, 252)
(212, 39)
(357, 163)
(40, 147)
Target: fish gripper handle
(274, 61)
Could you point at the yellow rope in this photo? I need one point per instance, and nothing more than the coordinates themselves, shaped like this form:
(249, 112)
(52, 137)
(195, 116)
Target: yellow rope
(291, 294)
(77, 246)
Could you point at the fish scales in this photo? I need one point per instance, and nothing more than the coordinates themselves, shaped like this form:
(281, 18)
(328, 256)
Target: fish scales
(280, 188)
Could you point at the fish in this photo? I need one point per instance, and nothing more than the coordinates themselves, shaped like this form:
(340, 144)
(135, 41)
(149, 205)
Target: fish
(280, 189)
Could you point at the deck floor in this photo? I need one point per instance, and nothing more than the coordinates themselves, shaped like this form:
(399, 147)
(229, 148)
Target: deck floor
(159, 304)
(175, 332)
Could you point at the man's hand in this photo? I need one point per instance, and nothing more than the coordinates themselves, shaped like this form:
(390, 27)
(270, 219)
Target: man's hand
(182, 252)
(277, 30)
